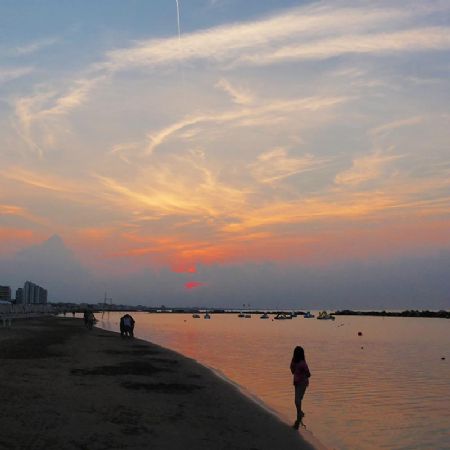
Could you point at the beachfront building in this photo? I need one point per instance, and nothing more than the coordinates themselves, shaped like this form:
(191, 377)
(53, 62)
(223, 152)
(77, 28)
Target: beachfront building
(5, 293)
(33, 294)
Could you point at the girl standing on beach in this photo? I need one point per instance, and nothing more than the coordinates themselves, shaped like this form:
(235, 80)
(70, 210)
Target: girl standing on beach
(301, 373)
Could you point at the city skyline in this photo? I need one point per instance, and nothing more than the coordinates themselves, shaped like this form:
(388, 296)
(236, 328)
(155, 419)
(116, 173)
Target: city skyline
(264, 153)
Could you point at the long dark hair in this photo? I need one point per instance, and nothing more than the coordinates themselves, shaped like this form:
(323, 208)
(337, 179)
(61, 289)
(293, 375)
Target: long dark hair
(299, 354)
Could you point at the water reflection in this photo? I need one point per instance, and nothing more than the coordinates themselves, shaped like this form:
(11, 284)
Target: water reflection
(385, 389)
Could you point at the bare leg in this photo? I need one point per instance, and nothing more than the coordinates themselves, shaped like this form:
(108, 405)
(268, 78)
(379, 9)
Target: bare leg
(299, 392)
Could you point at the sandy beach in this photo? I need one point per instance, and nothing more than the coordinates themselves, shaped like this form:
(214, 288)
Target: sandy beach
(65, 387)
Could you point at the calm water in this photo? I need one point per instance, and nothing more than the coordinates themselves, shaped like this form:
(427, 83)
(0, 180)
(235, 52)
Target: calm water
(386, 389)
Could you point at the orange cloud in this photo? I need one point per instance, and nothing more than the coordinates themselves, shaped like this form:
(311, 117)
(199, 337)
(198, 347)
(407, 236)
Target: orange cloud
(12, 240)
(343, 241)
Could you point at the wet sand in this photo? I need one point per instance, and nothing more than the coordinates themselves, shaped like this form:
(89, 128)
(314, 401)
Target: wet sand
(65, 387)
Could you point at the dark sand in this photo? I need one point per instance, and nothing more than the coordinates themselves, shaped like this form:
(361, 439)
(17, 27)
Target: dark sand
(65, 387)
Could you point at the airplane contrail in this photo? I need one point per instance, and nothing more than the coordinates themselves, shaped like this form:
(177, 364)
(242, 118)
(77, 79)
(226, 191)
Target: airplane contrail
(178, 19)
(179, 42)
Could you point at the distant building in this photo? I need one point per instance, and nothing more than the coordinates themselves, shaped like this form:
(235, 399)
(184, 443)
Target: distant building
(5, 293)
(34, 294)
(19, 295)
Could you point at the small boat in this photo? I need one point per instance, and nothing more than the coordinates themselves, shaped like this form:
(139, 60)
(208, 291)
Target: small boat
(207, 316)
(323, 315)
(247, 316)
(241, 315)
(195, 316)
(264, 316)
(283, 316)
(308, 315)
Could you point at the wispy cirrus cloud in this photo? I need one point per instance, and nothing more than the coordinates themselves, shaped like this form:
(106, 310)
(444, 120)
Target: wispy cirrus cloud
(12, 73)
(395, 125)
(366, 168)
(264, 111)
(238, 95)
(47, 182)
(309, 32)
(276, 164)
(323, 31)
(414, 40)
(34, 46)
(39, 115)
(239, 158)
(22, 213)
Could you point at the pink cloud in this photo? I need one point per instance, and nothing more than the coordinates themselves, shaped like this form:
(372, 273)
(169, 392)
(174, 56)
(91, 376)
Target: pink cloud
(193, 284)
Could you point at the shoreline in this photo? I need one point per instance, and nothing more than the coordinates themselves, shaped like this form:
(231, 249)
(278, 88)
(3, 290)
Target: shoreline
(305, 434)
(68, 387)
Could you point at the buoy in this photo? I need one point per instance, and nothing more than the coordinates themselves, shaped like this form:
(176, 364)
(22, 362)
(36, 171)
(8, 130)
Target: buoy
(359, 333)
(362, 348)
(442, 358)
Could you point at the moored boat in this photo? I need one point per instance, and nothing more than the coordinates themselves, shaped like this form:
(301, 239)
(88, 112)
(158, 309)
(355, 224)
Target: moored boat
(323, 315)
(283, 316)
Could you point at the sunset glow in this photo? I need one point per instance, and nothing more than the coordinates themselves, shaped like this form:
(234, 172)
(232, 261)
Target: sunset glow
(308, 133)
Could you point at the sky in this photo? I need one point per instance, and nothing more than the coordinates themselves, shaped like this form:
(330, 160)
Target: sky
(274, 153)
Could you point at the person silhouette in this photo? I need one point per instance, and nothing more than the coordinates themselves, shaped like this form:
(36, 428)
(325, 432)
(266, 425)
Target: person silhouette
(301, 373)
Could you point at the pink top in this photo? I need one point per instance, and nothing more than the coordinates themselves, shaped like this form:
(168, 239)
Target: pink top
(301, 372)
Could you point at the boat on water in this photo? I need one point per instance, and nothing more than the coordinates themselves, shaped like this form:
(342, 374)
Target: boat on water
(264, 316)
(245, 315)
(283, 316)
(323, 315)
(308, 315)
(207, 316)
(195, 316)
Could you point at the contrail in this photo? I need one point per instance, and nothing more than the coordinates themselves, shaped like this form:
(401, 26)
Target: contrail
(178, 19)
(179, 42)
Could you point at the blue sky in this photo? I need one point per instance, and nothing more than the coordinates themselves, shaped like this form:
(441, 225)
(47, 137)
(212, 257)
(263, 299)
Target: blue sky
(305, 136)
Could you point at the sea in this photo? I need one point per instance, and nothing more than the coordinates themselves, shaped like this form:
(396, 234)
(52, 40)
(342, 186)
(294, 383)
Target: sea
(377, 382)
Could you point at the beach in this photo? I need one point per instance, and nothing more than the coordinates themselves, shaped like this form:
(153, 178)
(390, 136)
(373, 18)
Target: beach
(66, 387)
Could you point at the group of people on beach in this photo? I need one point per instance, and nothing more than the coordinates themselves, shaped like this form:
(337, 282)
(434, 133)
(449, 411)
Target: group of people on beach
(89, 319)
(126, 323)
(127, 326)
